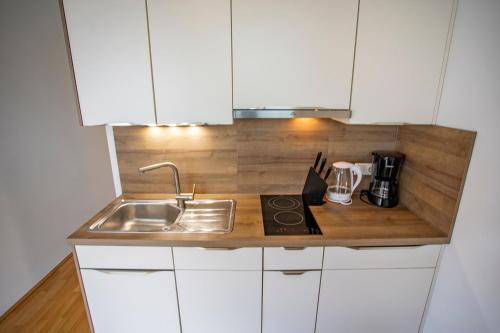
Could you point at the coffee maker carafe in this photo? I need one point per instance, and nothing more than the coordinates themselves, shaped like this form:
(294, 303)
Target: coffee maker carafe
(383, 191)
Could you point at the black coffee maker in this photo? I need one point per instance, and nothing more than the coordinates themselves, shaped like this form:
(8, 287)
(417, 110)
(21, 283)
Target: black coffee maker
(383, 191)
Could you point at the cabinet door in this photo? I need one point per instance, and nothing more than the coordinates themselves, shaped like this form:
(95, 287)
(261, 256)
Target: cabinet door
(290, 301)
(131, 301)
(110, 52)
(399, 59)
(220, 301)
(376, 301)
(293, 53)
(191, 56)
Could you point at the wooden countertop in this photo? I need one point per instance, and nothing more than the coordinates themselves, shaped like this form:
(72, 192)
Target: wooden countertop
(359, 224)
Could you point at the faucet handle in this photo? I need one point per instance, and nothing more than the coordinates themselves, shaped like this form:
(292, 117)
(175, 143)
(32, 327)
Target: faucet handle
(192, 193)
(186, 196)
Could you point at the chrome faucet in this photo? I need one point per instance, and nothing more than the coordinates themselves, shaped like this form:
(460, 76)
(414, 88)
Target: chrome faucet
(180, 197)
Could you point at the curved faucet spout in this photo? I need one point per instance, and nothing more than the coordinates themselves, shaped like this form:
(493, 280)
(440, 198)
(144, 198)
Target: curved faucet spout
(179, 196)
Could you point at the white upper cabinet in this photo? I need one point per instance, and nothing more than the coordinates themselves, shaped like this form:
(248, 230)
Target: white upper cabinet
(191, 57)
(110, 51)
(293, 53)
(193, 61)
(400, 52)
(120, 48)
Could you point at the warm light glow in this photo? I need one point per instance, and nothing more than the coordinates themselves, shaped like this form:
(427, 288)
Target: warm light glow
(154, 130)
(194, 130)
(184, 124)
(175, 130)
(184, 129)
(306, 123)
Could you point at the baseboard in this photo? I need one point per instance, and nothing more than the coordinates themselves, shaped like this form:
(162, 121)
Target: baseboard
(34, 288)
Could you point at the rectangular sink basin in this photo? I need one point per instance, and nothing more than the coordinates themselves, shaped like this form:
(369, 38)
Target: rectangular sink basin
(207, 216)
(152, 216)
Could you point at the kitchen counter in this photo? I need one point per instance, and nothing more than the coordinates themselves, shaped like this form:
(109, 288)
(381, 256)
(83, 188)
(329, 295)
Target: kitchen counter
(359, 224)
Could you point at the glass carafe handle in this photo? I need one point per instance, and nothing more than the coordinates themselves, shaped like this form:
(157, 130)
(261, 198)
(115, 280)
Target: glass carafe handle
(357, 171)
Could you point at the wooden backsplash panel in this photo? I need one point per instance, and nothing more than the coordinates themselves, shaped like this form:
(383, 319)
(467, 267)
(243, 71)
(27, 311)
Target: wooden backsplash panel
(251, 156)
(273, 156)
(434, 172)
(206, 156)
(356, 142)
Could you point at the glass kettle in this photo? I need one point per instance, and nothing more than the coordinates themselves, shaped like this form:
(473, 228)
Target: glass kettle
(343, 184)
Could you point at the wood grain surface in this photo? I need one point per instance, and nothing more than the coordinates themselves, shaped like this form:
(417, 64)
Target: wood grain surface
(434, 172)
(357, 225)
(251, 156)
(273, 156)
(56, 305)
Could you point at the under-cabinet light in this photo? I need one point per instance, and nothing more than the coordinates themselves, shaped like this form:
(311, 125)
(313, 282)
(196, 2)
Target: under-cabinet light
(119, 124)
(183, 125)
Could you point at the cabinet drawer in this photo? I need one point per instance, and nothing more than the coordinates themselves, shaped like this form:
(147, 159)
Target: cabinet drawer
(124, 257)
(381, 257)
(218, 258)
(282, 258)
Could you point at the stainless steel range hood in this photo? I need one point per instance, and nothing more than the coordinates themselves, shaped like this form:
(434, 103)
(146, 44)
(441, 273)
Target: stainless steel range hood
(291, 112)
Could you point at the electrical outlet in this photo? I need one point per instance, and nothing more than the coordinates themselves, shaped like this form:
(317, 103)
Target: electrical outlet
(366, 168)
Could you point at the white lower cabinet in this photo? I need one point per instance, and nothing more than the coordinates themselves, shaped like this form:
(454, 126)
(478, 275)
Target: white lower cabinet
(290, 301)
(220, 301)
(218, 290)
(131, 300)
(373, 300)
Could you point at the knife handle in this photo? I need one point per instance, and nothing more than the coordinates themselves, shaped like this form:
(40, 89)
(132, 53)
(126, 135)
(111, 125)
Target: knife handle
(318, 157)
(327, 172)
(322, 166)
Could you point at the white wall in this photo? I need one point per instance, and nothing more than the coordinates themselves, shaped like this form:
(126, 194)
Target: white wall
(466, 297)
(54, 174)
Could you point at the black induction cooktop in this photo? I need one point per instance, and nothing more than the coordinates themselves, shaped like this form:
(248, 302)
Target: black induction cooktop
(287, 215)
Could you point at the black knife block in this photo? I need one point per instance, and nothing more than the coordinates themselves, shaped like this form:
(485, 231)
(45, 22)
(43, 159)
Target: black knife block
(314, 188)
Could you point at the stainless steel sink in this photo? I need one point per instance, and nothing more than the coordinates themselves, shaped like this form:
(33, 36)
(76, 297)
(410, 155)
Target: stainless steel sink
(207, 216)
(199, 216)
